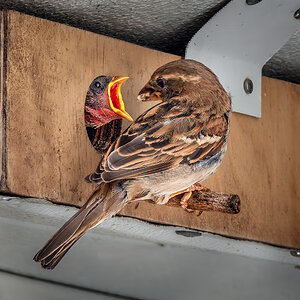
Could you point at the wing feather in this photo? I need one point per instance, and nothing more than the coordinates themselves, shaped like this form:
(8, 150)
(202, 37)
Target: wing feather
(152, 145)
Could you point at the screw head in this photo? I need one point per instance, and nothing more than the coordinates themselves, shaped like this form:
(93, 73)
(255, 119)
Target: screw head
(297, 14)
(295, 253)
(252, 2)
(248, 86)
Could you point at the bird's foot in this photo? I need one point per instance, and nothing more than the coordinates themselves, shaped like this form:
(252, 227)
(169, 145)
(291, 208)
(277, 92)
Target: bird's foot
(184, 201)
(187, 193)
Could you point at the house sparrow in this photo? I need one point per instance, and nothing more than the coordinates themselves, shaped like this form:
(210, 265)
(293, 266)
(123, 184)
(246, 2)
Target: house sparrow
(104, 109)
(168, 149)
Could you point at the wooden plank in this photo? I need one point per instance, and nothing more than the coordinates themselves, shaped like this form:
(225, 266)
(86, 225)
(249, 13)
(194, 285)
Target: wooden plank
(2, 96)
(262, 166)
(49, 67)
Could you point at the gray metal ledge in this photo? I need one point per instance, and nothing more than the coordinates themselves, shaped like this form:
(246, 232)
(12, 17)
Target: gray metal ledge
(132, 258)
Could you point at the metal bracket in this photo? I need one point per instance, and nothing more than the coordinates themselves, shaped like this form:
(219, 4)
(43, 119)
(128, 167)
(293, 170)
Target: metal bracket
(238, 40)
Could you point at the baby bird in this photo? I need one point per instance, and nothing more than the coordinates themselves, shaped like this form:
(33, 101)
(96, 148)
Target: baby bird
(174, 145)
(104, 110)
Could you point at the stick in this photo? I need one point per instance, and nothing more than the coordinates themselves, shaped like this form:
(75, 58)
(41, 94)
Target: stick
(209, 201)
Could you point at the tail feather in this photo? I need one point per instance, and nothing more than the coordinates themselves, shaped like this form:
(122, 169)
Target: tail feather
(53, 259)
(95, 211)
(62, 236)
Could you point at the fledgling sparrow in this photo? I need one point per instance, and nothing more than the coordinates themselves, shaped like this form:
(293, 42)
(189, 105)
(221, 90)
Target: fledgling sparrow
(174, 145)
(104, 110)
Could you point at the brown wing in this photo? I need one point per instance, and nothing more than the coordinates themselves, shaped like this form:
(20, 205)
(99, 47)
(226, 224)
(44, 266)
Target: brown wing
(157, 150)
(157, 142)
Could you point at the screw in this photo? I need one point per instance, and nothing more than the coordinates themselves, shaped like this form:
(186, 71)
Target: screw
(297, 14)
(295, 253)
(252, 2)
(248, 86)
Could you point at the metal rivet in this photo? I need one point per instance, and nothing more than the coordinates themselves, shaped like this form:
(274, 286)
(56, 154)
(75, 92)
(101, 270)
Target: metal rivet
(252, 2)
(248, 86)
(295, 253)
(297, 14)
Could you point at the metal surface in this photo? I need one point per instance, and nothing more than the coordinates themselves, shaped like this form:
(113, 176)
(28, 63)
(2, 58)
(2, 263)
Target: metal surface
(238, 41)
(295, 253)
(136, 259)
(164, 25)
(14, 287)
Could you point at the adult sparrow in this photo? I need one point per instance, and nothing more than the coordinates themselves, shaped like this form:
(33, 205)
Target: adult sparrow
(104, 109)
(174, 145)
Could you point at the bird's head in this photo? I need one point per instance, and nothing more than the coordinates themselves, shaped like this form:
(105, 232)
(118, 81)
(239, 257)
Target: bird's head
(104, 101)
(163, 85)
(186, 79)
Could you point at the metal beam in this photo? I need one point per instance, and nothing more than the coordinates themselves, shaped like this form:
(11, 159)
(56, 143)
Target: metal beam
(237, 42)
(132, 258)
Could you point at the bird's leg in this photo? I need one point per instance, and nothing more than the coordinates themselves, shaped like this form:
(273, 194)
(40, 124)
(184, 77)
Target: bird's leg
(184, 201)
(187, 193)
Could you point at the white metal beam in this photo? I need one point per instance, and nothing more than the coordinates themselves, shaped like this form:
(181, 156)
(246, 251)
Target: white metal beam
(132, 258)
(237, 42)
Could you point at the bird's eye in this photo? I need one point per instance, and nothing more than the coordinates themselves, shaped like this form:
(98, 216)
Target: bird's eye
(97, 84)
(161, 82)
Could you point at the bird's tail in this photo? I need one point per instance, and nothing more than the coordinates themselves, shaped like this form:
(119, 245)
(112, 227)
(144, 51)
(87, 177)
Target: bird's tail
(106, 201)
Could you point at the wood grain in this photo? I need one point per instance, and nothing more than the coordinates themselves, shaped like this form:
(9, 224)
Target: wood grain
(47, 153)
(2, 98)
(50, 67)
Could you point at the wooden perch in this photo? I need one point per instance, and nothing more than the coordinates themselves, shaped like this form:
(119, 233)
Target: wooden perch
(209, 201)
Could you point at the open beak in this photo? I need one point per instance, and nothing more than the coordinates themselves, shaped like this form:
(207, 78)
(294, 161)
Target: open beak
(115, 97)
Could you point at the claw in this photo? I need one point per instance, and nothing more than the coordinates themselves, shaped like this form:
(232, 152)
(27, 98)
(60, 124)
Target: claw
(184, 200)
(187, 193)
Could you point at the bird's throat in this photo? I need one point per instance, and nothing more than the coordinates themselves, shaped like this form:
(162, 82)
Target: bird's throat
(99, 117)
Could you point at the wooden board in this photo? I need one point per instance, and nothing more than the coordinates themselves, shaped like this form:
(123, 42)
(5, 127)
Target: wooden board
(2, 95)
(46, 152)
(49, 69)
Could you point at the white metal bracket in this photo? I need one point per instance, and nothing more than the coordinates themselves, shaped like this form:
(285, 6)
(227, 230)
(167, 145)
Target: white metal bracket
(237, 42)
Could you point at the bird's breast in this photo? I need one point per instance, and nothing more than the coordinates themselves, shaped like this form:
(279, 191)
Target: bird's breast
(162, 185)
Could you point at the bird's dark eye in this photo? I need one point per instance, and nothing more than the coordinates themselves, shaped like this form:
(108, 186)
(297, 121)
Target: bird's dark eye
(97, 84)
(161, 82)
